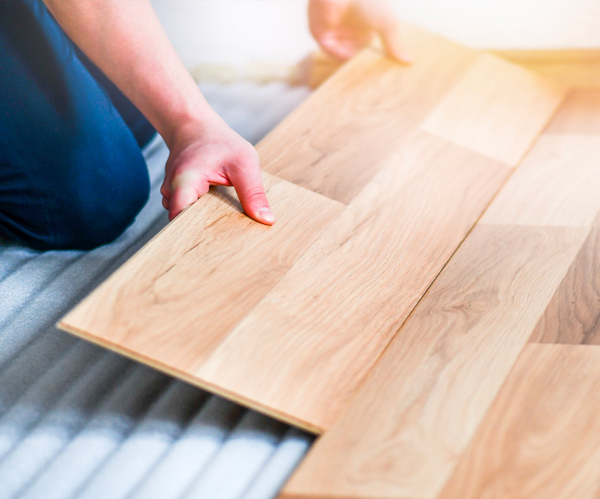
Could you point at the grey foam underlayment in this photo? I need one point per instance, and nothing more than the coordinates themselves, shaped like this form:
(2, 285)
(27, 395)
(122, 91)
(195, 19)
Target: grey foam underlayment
(77, 421)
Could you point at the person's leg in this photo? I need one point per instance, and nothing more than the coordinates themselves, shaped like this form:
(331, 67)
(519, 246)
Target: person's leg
(71, 172)
(141, 128)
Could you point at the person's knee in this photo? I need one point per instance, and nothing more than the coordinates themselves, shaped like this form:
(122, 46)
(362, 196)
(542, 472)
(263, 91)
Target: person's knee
(99, 209)
(95, 225)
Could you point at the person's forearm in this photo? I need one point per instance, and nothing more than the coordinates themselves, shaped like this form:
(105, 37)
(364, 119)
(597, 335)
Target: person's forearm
(125, 40)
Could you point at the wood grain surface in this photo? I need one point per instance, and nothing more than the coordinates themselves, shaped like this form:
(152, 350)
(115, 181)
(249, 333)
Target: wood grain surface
(557, 184)
(424, 422)
(580, 114)
(338, 307)
(477, 120)
(163, 305)
(403, 432)
(541, 437)
(289, 319)
(371, 100)
(449, 87)
(573, 315)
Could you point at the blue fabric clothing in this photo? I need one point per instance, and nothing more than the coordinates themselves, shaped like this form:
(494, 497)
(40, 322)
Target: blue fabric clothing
(72, 174)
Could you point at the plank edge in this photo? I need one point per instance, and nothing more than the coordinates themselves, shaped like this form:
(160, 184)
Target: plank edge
(183, 376)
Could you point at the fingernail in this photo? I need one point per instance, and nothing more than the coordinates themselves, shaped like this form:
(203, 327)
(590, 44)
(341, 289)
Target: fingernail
(267, 215)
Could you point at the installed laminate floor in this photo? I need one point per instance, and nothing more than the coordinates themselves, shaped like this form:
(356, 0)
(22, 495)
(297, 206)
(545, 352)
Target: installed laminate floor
(375, 180)
(490, 387)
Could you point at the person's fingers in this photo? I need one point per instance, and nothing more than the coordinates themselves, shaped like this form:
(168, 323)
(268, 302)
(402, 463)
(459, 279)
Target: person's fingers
(182, 198)
(335, 47)
(250, 190)
(343, 46)
(390, 36)
(165, 189)
(186, 188)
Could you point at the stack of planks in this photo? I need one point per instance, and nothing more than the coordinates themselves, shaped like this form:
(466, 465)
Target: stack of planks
(382, 309)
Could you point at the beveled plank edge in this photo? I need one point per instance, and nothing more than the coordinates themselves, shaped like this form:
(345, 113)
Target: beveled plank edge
(182, 375)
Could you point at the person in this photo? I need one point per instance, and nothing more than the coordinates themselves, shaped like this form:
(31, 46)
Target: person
(85, 84)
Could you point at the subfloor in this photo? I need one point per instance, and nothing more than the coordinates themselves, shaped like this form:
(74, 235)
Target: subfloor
(79, 421)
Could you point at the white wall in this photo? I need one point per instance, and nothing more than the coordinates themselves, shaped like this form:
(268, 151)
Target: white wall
(242, 32)
(509, 24)
(236, 32)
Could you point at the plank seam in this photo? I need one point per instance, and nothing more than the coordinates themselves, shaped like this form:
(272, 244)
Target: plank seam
(475, 224)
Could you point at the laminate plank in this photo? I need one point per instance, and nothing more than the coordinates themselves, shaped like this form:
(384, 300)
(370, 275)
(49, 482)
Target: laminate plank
(556, 185)
(163, 307)
(573, 315)
(541, 437)
(579, 113)
(372, 100)
(404, 431)
(463, 116)
(305, 348)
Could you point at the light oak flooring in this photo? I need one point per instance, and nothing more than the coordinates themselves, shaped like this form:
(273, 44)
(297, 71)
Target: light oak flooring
(490, 388)
(375, 181)
(429, 298)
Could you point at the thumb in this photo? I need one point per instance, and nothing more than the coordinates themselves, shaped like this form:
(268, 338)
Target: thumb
(337, 47)
(187, 187)
(250, 190)
(390, 36)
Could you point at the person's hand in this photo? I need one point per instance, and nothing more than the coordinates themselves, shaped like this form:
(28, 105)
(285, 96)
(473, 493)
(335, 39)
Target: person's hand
(214, 155)
(343, 27)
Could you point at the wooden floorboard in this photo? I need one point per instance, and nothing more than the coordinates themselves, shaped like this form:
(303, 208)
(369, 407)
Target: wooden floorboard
(334, 312)
(162, 303)
(557, 184)
(336, 141)
(573, 315)
(475, 119)
(404, 431)
(541, 437)
(370, 206)
(579, 114)
(530, 265)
